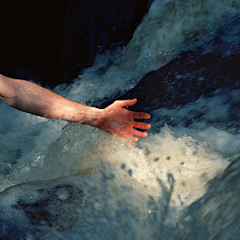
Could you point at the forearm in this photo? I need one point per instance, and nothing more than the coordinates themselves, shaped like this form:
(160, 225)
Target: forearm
(32, 98)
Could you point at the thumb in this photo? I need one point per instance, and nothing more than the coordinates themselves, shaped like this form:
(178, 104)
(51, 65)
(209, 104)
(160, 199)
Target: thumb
(128, 103)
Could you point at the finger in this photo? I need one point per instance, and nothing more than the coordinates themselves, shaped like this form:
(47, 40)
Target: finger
(138, 133)
(128, 103)
(141, 115)
(142, 125)
(131, 138)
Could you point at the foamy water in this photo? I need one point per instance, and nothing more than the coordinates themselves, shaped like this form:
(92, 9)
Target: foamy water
(131, 189)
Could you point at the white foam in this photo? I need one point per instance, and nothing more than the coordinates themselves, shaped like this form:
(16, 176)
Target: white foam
(169, 24)
(35, 148)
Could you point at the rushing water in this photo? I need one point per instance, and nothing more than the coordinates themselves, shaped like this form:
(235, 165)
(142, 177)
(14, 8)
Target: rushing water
(62, 180)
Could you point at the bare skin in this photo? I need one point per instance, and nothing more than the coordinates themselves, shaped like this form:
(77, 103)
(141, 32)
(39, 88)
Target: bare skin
(117, 119)
(32, 98)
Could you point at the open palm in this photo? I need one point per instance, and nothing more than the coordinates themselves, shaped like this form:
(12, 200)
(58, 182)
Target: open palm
(116, 119)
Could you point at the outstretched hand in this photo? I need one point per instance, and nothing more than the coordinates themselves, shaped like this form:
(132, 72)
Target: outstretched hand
(116, 119)
(32, 98)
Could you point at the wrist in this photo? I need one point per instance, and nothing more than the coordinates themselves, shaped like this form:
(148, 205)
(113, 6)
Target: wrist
(90, 116)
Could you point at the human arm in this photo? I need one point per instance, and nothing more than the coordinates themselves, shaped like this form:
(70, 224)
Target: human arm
(32, 98)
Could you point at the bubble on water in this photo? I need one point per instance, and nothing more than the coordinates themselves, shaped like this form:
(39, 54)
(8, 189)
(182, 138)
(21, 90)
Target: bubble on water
(62, 194)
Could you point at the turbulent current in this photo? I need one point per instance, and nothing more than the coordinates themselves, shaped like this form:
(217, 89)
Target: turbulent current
(63, 180)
